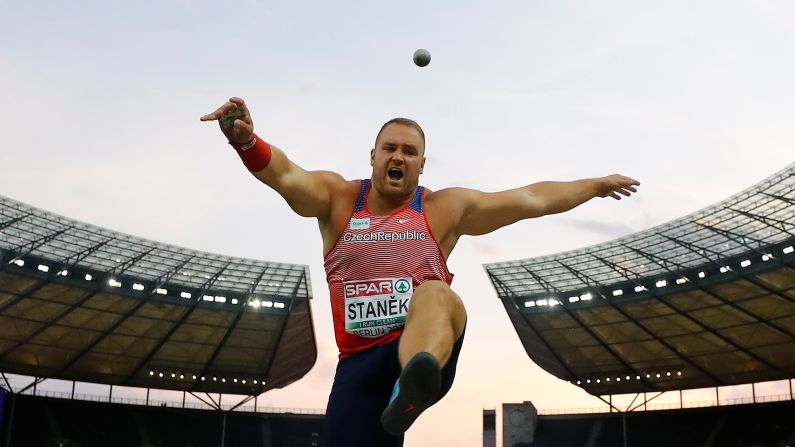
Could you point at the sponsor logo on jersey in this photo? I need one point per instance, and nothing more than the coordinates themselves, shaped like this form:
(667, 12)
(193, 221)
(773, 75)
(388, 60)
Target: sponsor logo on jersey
(360, 224)
(374, 307)
(383, 236)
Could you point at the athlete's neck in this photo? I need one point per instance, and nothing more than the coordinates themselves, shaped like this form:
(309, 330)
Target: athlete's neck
(382, 205)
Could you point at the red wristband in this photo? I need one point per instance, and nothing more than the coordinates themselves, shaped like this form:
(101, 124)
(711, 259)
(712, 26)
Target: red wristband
(256, 154)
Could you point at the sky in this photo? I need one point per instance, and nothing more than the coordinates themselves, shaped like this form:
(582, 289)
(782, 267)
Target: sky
(100, 122)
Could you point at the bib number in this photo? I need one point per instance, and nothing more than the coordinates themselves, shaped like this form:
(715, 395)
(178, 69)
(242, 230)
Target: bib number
(376, 307)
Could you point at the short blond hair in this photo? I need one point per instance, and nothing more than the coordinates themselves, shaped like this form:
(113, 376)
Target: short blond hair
(405, 122)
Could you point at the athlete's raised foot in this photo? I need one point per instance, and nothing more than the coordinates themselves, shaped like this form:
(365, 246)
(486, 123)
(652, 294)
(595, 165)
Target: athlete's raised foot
(415, 390)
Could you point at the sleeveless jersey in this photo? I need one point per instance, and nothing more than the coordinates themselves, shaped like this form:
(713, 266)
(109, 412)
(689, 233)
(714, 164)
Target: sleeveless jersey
(374, 268)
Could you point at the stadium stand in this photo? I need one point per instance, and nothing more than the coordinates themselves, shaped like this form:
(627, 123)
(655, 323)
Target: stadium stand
(86, 304)
(49, 422)
(755, 425)
(707, 300)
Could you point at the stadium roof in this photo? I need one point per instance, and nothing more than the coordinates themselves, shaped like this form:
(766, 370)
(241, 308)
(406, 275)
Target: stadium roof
(705, 300)
(80, 302)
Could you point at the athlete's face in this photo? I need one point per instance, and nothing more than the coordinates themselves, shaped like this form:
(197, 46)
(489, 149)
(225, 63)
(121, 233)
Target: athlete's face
(397, 160)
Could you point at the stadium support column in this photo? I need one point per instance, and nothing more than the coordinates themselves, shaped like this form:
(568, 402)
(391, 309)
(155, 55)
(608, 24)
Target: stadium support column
(10, 419)
(624, 426)
(489, 428)
(223, 428)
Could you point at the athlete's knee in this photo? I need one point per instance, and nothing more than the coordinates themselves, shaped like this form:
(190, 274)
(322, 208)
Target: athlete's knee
(438, 293)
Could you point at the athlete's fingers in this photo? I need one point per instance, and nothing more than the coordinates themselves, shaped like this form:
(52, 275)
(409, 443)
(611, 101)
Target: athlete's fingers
(624, 192)
(615, 196)
(219, 112)
(243, 130)
(238, 102)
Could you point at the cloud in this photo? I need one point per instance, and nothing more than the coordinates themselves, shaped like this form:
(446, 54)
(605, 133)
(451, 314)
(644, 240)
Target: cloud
(612, 229)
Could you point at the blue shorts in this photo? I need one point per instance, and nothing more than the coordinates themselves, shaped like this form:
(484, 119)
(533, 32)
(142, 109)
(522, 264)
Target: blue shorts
(361, 390)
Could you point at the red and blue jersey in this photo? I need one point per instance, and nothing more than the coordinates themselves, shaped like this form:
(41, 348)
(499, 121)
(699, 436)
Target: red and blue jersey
(374, 268)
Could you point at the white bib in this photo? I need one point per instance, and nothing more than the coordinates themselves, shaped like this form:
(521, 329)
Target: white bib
(375, 307)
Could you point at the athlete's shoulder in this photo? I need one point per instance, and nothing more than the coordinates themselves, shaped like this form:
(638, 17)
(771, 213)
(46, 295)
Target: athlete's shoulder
(448, 195)
(338, 184)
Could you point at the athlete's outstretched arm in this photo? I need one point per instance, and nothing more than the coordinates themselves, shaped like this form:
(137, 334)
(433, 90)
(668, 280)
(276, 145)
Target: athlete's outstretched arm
(308, 193)
(480, 213)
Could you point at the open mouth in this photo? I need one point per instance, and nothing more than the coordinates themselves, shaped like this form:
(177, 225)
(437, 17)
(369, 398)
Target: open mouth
(394, 174)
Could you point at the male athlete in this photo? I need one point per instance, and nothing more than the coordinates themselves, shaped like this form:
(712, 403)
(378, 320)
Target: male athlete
(398, 324)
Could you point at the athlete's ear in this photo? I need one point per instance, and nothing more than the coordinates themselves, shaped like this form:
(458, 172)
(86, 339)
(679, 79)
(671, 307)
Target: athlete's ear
(422, 166)
(372, 156)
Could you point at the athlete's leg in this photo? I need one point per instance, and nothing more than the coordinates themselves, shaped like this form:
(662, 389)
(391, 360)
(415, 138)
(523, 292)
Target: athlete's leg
(436, 319)
(429, 348)
(360, 392)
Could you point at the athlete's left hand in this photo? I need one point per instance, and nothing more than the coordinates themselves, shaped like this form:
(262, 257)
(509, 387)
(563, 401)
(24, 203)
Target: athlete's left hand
(616, 184)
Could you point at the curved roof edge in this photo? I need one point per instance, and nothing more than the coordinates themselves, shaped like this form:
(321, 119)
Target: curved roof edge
(27, 231)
